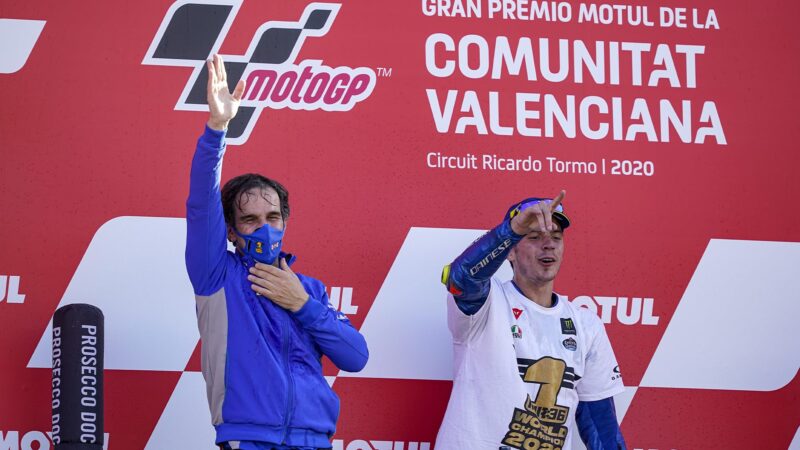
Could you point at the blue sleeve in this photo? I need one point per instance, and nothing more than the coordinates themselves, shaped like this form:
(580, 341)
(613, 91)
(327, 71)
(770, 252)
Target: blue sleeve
(333, 333)
(467, 278)
(598, 427)
(206, 244)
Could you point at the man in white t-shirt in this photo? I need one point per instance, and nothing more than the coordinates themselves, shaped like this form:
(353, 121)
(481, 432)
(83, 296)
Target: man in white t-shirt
(531, 370)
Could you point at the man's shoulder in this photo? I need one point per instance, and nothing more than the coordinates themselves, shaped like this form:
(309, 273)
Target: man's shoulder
(585, 316)
(228, 271)
(497, 291)
(498, 286)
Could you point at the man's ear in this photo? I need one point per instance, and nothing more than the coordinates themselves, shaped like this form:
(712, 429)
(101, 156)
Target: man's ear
(512, 255)
(231, 235)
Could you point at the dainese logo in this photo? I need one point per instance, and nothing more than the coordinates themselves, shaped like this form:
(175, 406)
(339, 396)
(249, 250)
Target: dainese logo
(193, 30)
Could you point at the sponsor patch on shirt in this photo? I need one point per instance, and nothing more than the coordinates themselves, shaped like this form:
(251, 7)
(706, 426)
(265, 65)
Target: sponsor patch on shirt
(568, 326)
(516, 331)
(570, 344)
(517, 312)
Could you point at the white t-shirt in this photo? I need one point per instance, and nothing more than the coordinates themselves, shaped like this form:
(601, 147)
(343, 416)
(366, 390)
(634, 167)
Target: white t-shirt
(520, 370)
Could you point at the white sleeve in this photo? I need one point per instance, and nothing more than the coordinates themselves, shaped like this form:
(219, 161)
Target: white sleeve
(601, 376)
(464, 327)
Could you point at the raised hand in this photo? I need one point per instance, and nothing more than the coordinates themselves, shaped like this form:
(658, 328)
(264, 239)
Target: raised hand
(222, 104)
(279, 285)
(538, 217)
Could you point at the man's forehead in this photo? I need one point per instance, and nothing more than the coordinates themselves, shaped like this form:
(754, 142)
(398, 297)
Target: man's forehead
(558, 230)
(262, 191)
(255, 195)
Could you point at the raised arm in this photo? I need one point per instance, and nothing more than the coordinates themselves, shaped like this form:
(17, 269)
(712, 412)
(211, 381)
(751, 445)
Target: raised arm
(467, 277)
(205, 224)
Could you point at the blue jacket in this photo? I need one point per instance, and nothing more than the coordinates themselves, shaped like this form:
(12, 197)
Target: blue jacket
(262, 363)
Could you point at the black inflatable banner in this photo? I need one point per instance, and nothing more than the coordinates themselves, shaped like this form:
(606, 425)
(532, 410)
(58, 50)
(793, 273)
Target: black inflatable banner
(78, 378)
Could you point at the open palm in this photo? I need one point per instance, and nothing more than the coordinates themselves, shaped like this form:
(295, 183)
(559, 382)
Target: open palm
(222, 104)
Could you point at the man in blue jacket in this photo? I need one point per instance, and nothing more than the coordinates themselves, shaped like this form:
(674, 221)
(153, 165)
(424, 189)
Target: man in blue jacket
(263, 327)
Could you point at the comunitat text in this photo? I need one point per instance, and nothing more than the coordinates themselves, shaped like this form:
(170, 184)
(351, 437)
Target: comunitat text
(543, 70)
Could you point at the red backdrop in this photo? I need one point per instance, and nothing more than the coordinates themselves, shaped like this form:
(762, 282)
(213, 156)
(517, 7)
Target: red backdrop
(92, 140)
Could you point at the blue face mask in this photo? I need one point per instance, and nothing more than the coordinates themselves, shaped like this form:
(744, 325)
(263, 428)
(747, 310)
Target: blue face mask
(264, 244)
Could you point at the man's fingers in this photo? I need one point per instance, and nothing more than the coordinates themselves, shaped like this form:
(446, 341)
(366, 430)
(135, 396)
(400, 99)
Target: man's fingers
(265, 271)
(215, 59)
(265, 267)
(212, 73)
(537, 212)
(552, 207)
(261, 281)
(239, 91)
(221, 76)
(223, 73)
(219, 66)
(557, 201)
(285, 267)
(547, 215)
(261, 290)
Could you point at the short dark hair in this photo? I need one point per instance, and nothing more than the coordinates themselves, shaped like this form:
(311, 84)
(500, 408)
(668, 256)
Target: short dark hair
(231, 193)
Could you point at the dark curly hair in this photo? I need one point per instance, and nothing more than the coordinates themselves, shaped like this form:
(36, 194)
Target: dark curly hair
(231, 193)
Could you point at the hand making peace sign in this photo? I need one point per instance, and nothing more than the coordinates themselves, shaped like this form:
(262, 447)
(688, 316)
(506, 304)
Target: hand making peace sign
(537, 217)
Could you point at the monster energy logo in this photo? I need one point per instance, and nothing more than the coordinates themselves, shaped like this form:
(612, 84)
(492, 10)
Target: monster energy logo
(568, 326)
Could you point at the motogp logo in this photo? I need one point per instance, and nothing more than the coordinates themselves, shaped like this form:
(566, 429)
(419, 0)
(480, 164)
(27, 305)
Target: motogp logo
(193, 30)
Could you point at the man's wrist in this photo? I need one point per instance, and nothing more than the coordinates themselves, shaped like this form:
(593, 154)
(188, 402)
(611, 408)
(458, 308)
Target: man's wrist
(310, 312)
(219, 125)
(300, 303)
(518, 232)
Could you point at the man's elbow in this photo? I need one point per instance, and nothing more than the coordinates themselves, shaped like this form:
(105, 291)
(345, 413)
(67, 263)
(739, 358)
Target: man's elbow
(356, 362)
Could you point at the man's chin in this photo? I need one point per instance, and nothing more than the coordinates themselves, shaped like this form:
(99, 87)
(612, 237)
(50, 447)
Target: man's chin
(548, 274)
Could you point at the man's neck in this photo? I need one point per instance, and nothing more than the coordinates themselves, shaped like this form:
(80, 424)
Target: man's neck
(541, 294)
(276, 263)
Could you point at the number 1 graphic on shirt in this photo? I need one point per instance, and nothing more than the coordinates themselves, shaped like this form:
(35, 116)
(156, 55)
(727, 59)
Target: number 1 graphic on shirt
(548, 374)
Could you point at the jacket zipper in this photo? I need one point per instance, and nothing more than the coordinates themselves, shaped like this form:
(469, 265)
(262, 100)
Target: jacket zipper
(290, 400)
